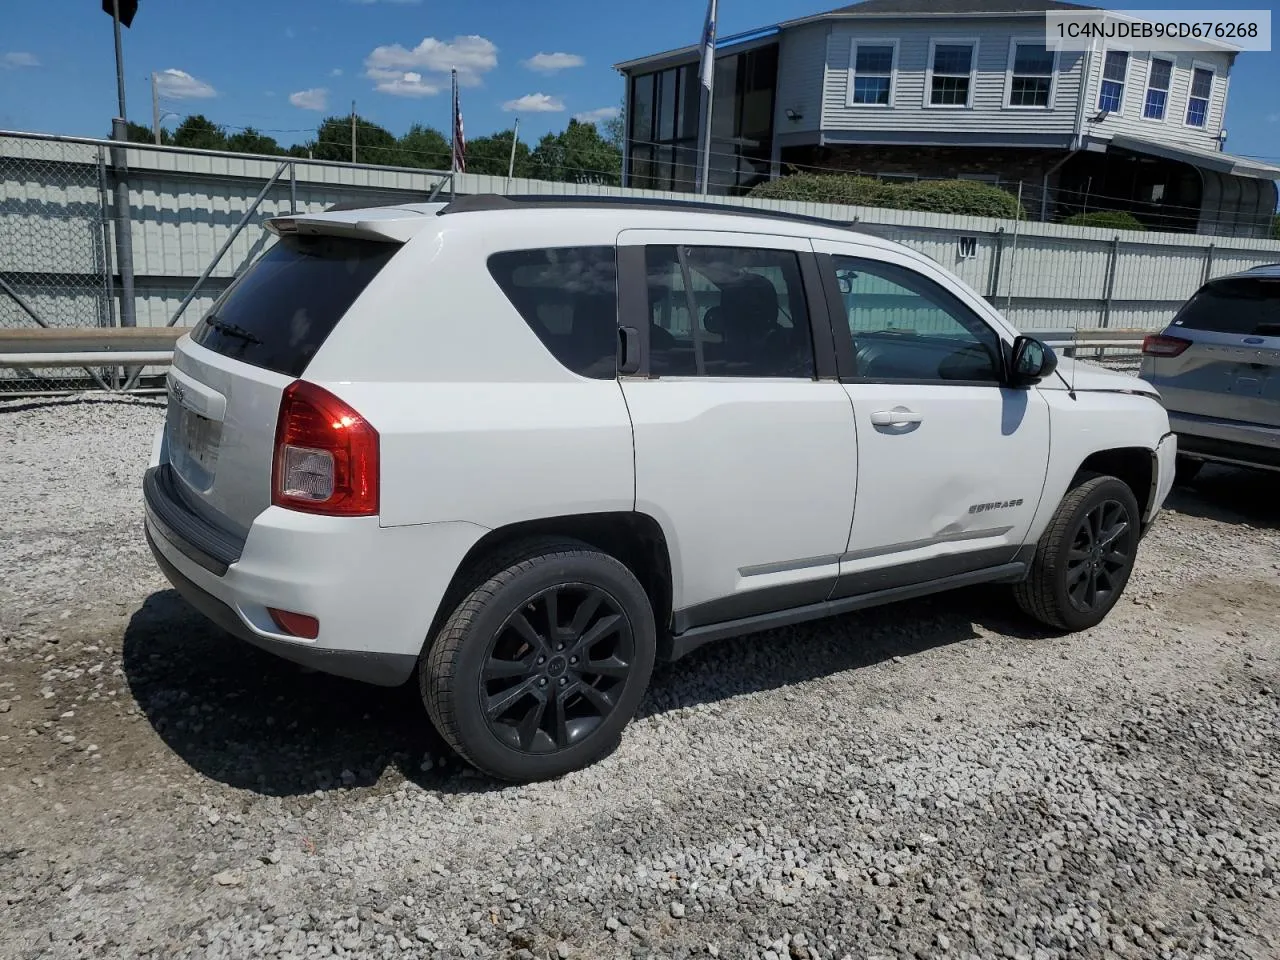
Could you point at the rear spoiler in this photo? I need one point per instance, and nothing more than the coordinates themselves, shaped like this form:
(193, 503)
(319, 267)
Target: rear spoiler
(387, 224)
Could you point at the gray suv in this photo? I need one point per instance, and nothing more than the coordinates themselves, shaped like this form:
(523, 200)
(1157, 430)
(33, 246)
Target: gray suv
(1217, 367)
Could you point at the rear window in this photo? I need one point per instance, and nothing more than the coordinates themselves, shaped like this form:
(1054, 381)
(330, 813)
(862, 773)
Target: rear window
(1243, 305)
(569, 297)
(278, 314)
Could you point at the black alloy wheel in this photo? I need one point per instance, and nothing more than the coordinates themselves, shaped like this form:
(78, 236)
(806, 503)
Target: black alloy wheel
(555, 668)
(542, 661)
(1099, 560)
(1085, 555)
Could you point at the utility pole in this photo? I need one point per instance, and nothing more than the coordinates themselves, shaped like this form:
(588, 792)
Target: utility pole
(155, 107)
(511, 165)
(353, 131)
(115, 18)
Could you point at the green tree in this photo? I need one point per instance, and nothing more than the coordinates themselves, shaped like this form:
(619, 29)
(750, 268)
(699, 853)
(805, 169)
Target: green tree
(578, 154)
(492, 155)
(1275, 226)
(137, 133)
(200, 133)
(374, 144)
(250, 140)
(615, 130)
(425, 147)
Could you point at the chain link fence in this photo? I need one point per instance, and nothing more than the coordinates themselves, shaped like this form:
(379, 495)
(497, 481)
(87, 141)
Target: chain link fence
(56, 266)
(195, 221)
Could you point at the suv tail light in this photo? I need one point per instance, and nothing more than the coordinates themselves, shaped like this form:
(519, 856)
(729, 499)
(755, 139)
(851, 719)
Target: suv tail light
(326, 455)
(1159, 345)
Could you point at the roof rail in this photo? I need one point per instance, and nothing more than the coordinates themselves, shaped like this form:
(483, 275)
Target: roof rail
(495, 201)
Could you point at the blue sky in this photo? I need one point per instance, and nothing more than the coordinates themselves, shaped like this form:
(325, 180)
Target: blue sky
(281, 65)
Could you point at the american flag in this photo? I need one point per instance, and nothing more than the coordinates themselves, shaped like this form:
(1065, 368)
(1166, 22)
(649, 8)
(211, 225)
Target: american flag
(709, 46)
(459, 141)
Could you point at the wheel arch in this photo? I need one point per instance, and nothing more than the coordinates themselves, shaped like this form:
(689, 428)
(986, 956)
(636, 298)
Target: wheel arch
(635, 539)
(1137, 467)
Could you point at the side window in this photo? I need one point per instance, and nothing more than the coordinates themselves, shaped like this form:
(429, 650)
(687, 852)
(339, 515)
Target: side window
(569, 297)
(727, 312)
(906, 327)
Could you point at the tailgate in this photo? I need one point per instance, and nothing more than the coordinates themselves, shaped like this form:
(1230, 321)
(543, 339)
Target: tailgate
(229, 373)
(1231, 368)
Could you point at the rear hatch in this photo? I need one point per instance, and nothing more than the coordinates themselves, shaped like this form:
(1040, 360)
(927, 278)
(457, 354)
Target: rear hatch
(1230, 367)
(225, 384)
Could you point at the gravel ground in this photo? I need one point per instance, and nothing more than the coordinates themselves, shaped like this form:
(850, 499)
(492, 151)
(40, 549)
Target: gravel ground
(928, 780)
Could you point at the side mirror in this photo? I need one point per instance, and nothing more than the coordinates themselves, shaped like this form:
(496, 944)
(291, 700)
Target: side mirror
(1031, 362)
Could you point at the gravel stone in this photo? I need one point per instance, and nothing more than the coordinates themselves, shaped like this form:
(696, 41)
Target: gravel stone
(1003, 794)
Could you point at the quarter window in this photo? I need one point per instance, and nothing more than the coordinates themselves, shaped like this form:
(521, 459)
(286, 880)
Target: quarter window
(1114, 71)
(1157, 89)
(1198, 102)
(568, 296)
(872, 74)
(727, 312)
(1032, 79)
(952, 75)
(907, 327)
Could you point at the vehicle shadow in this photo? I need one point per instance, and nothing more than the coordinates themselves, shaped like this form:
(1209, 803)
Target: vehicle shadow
(253, 721)
(1230, 495)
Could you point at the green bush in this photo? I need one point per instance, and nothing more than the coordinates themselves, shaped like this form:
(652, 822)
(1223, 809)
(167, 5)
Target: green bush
(933, 196)
(1107, 219)
(1275, 227)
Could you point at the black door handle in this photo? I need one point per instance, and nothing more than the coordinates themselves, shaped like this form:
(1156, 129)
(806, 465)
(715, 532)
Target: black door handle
(628, 350)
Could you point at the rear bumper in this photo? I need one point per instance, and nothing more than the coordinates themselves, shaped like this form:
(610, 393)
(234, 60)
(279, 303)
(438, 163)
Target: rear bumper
(375, 590)
(1227, 441)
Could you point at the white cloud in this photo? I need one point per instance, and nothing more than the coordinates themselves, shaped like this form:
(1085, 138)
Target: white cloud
(16, 59)
(180, 85)
(335, 72)
(551, 62)
(597, 116)
(317, 98)
(535, 103)
(399, 71)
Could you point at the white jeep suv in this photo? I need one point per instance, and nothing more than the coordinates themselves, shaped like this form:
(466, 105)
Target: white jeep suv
(516, 449)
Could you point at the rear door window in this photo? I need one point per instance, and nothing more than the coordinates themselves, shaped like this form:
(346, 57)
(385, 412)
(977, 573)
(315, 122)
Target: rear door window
(1248, 306)
(569, 297)
(279, 313)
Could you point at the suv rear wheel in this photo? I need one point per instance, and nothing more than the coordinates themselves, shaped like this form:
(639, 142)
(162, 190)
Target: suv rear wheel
(1085, 555)
(543, 663)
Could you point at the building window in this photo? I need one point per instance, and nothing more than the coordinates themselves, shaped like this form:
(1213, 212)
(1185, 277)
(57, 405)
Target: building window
(1157, 89)
(665, 115)
(873, 74)
(1032, 80)
(1111, 96)
(1198, 103)
(951, 74)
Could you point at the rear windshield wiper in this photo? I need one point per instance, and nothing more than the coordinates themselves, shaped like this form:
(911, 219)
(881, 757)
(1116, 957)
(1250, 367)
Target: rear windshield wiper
(232, 329)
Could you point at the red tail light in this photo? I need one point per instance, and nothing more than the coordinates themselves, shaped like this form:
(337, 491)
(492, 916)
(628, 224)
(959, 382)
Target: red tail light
(326, 455)
(1158, 345)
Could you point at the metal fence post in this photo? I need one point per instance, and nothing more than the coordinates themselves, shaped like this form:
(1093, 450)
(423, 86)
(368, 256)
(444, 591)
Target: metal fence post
(293, 189)
(124, 226)
(1208, 263)
(1111, 281)
(993, 284)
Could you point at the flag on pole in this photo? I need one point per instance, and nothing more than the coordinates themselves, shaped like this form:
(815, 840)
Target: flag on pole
(709, 46)
(459, 140)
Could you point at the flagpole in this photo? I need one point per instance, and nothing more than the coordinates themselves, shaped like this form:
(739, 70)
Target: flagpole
(708, 91)
(453, 140)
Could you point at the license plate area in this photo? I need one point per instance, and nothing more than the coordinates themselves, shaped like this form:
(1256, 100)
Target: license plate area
(193, 445)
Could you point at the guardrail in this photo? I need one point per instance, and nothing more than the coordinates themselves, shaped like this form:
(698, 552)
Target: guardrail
(95, 347)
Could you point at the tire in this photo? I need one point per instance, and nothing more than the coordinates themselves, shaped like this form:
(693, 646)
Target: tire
(1185, 470)
(1055, 592)
(520, 701)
